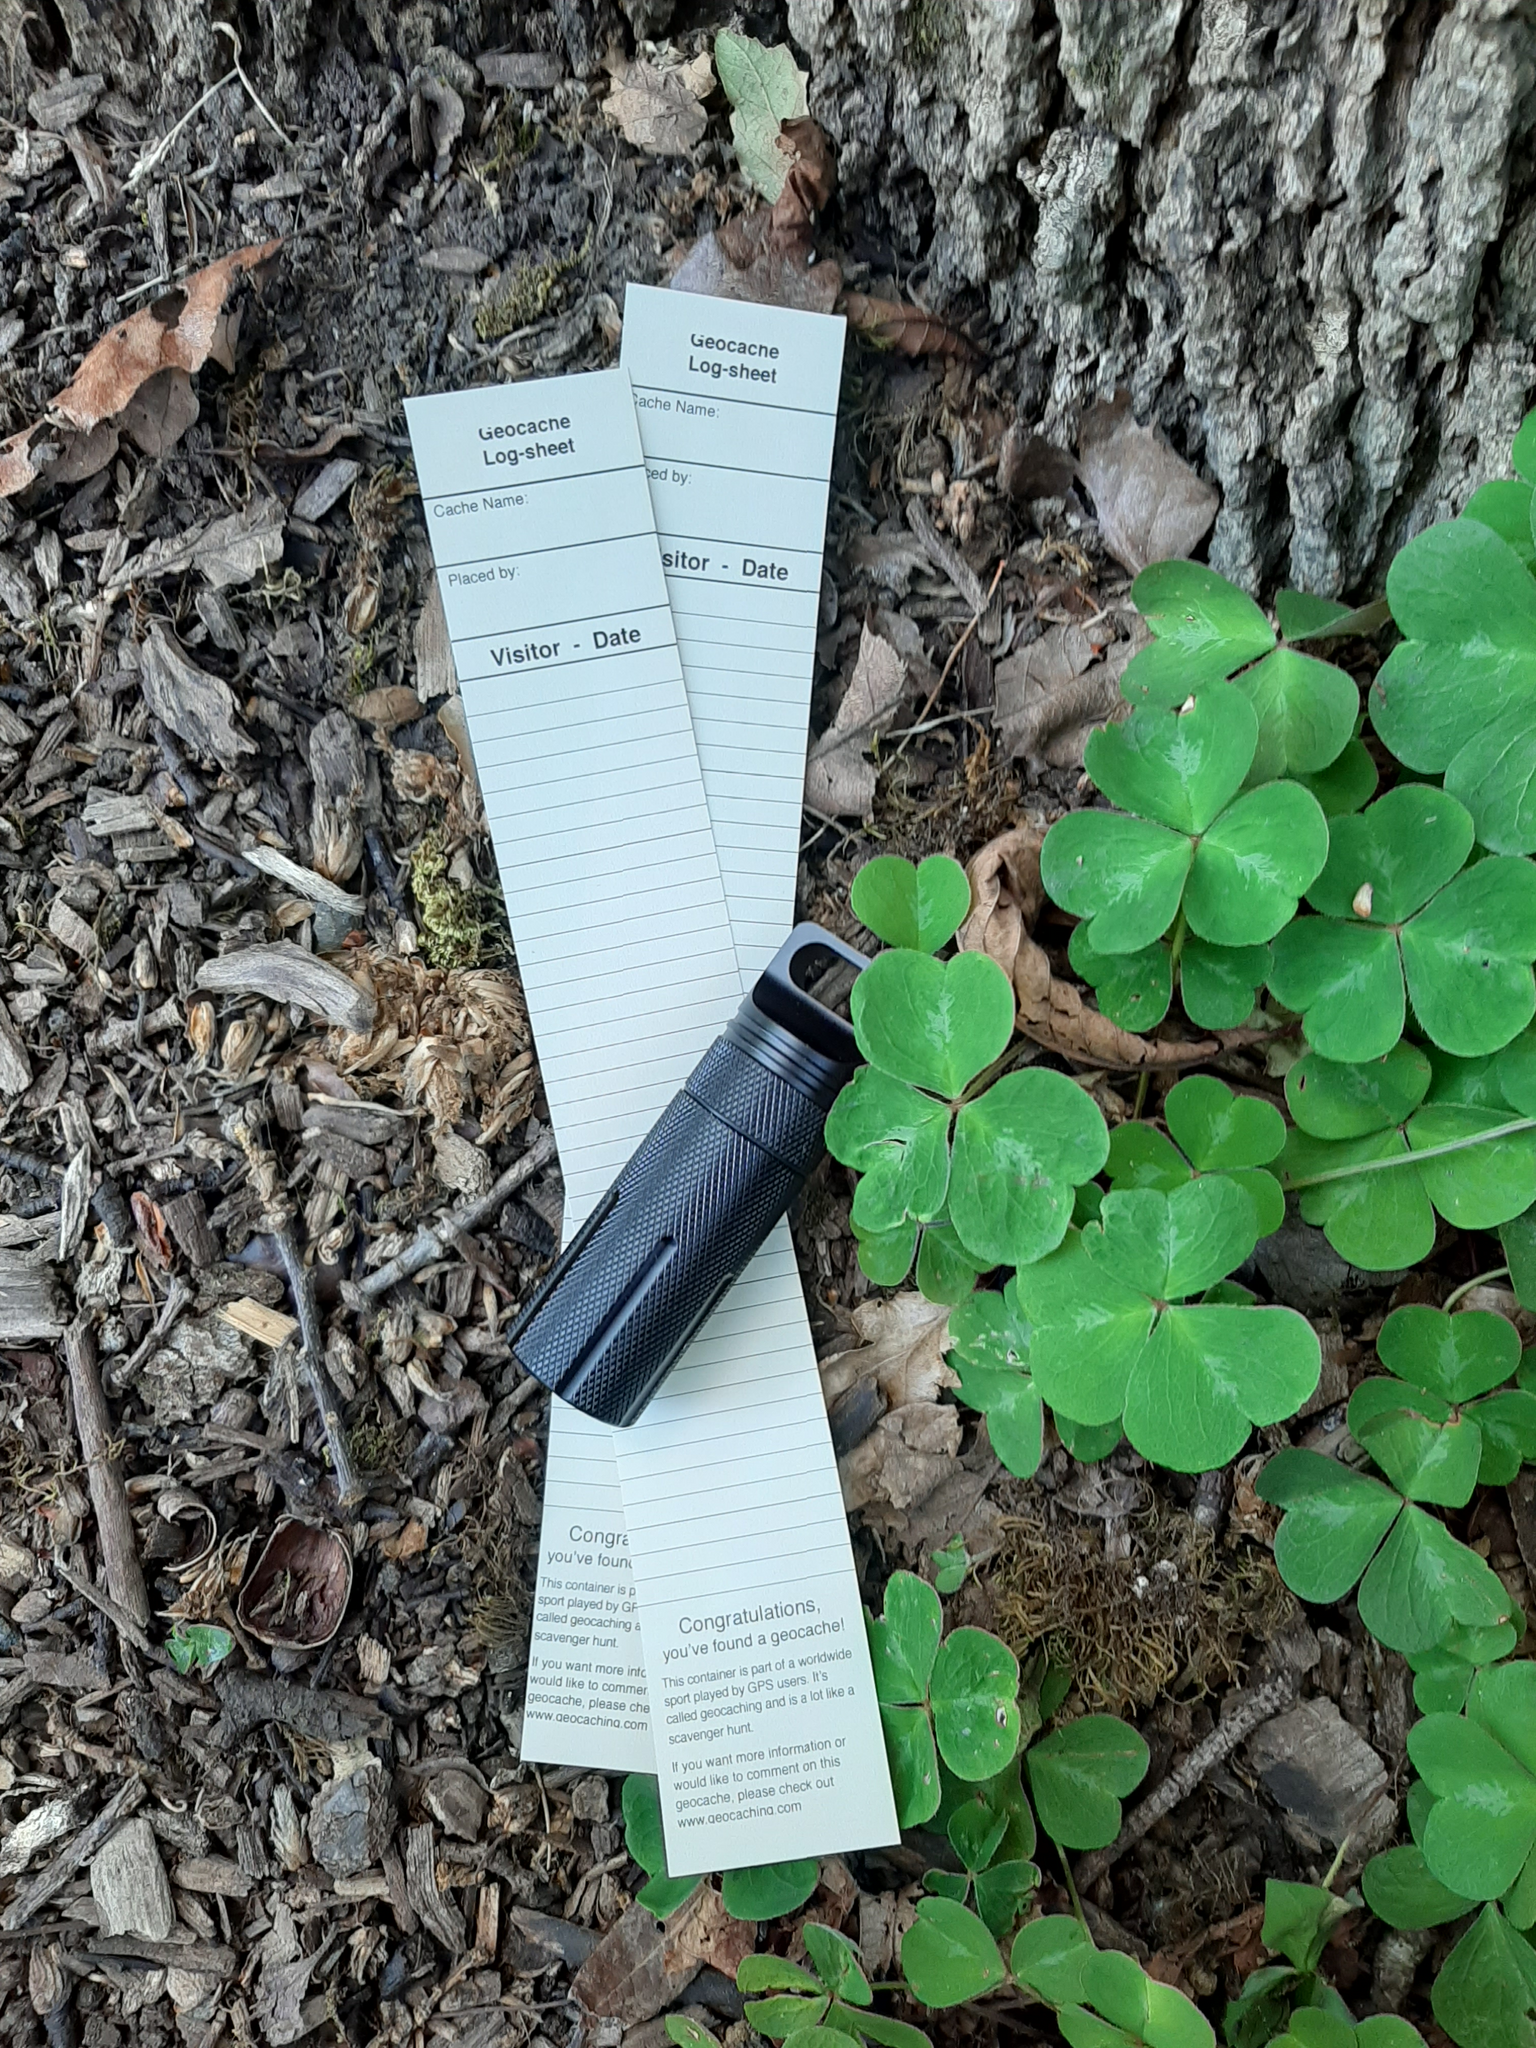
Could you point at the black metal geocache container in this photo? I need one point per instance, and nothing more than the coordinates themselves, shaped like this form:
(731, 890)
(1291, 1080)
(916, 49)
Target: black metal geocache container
(699, 1197)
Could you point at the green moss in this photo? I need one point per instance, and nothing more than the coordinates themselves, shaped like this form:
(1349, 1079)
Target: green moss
(931, 26)
(532, 290)
(447, 916)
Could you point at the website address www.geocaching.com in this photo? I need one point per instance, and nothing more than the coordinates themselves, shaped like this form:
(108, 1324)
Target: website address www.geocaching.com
(748, 1810)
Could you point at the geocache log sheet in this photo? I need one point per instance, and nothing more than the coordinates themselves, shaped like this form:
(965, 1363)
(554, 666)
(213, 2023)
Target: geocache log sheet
(768, 1745)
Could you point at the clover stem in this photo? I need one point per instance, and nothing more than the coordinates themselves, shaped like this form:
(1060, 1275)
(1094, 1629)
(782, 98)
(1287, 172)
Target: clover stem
(1176, 943)
(1142, 1080)
(988, 1075)
(1066, 1871)
(1510, 1130)
(1336, 1865)
(1466, 1287)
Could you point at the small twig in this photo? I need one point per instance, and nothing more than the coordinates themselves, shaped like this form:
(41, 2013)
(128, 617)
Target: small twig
(327, 1400)
(257, 101)
(153, 158)
(1478, 1280)
(119, 1617)
(1250, 1712)
(109, 1498)
(954, 654)
(432, 1239)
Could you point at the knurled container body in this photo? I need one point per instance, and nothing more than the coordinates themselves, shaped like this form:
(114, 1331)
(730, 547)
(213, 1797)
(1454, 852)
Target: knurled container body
(682, 1221)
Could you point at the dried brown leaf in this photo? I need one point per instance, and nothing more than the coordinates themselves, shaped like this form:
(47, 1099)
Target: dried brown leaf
(179, 330)
(901, 1350)
(160, 412)
(1151, 504)
(1030, 467)
(907, 329)
(745, 259)
(1006, 898)
(198, 707)
(907, 1454)
(839, 777)
(658, 110)
(1051, 695)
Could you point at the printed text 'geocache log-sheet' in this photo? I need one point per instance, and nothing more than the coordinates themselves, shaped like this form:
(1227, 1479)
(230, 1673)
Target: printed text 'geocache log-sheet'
(761, 1756)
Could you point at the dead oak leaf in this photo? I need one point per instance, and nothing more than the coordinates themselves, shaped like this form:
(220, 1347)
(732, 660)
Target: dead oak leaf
(839, 776)
(658, 110)
(1152, 506)
(901, 1350)
(904, 1458)
(178, 331)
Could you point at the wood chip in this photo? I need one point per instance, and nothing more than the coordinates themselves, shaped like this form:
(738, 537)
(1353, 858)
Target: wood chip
(322, 491)
(438, 1915)
(522, 70)
(285, 973)
(70, 929)
(15, 1061)
(31, 1304)
(217, 1876)
(129, 1884)
(255, 1319)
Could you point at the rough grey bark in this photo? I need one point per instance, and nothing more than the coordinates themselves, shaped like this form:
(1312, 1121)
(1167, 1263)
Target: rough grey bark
(1303, 232)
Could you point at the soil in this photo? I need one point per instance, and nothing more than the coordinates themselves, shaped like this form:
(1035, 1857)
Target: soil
(165, 1147)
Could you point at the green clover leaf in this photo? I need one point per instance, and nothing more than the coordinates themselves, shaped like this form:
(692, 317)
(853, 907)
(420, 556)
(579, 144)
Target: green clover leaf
(1022, 1149)
(918, 907)
(897, 1140)
(1310, 2027)
(1485, 1994)
(1134, 989)
(1125, 2008)
(1347, 784)
(1005, 1193)
(904, 1642)
(1049, 1956)
(1400, 1888)
(1237, 867)
(934, 1024)
(948, 1956)
(837, 1963)
(1299, 1920)
(974, 1693)
(1080, 1773)
(1217, 1131)
(765, 1891)
(1333, 1100)
(1400, 909)
(988, 1346)
(1109, 1339)
(1457, 1357)
(1203, 627)
(1481, 1769)
(1307, 711)
(1427, 1451)
(1339, 1525)
(1376, 1200)
(1456, 697)
(1504, 506)
(1219, 985)
(641, 1802)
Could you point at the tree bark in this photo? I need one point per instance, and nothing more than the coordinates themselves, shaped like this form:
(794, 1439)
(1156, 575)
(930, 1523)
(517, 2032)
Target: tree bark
(1302, 232)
